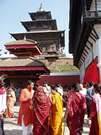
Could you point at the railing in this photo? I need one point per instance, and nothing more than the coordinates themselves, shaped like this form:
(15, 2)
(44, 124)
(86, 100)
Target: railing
(98, 5)
(95, 10)
(93, 13)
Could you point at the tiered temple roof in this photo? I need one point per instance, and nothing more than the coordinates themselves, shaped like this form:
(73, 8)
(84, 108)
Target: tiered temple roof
(43, 29)
(22, 68)
(23, 48)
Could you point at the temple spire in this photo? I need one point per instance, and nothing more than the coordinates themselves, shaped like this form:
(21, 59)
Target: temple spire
(41, 7)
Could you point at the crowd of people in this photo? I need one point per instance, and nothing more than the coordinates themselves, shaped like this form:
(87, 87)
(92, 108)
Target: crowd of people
(42, 108)
(45, 106)
(81, 100)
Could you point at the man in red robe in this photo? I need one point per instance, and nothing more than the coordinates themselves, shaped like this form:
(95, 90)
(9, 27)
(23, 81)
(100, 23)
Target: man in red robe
(25, 117)
(41, 107)
(94, 128)
(76, 107)
(95, 112)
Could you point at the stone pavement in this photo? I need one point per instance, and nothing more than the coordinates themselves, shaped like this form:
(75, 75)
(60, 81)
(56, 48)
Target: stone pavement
(11, 127)
(10, 124)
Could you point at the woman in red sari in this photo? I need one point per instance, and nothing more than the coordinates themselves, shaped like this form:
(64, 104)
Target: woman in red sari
(76, 107)
(41, 107)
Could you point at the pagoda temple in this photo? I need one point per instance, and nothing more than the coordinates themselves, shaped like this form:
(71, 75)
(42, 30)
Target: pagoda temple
(23, 66)
(43, 29)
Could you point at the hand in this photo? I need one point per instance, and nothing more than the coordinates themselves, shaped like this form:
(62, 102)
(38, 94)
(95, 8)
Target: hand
(31, 107)
(1, 114)
(89, 122)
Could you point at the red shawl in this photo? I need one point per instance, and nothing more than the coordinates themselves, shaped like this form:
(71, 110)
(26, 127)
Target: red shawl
(76, 106)
(76, 103)
(42, 105)
(94, 129)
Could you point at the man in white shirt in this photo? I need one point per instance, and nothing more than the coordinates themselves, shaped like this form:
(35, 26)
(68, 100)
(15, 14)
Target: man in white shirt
(83, 90)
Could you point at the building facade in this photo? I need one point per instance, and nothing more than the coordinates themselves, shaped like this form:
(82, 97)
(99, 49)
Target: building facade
(85, 38)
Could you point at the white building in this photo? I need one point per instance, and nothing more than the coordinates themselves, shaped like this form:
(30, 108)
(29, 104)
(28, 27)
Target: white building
(85, 38)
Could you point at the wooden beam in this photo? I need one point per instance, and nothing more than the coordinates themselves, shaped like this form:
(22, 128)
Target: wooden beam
(94, 35)
(94, 39)
(97, 36)
(85, 52)
(90, 43)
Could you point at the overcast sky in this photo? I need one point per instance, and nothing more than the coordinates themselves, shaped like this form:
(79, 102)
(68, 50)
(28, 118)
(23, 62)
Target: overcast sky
(12, 12)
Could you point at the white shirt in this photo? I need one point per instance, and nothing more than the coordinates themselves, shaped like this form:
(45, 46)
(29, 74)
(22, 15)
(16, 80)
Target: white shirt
(2, 102)
(83, 91)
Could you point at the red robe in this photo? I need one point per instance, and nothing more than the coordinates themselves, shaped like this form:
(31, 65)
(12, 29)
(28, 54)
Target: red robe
(26, 111)
(94, 129)
(76, 107)
(41, 103)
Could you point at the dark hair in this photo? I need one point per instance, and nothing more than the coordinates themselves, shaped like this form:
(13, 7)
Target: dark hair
(36, 86)
(75, 87)
(58, 85)
(28, 82)
(97, 88)
(53, 87)
(90, 84)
